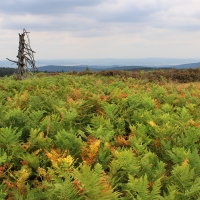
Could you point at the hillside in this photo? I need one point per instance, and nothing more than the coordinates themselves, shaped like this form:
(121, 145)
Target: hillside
(78, 68)
(187, 66)
(54, 68)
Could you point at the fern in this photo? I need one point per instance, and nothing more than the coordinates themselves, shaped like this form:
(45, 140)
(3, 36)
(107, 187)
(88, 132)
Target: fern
(104, 155)
(32, 159)
(68, 140)
(156, 190)
(181, 155)
(111, 110)
(38, 139)
(140, 141)
(9, 137)
(189, 139)
(129, 165)
(152, 166)
(70, 115)
(178, 155)
(138, 188)
(124, 165)
(31, 193)
(95, 137)
(147, 103)
(3, 192)
(53, 125)
(16, 118)
(92, 184)
(35, 117)
(3, 156)
(101, 132)
(171, 192)
(194, 191)
(193, 157)
(167, 108)
(187, 184)
(61, 189)
(185, 114)
(141, 188)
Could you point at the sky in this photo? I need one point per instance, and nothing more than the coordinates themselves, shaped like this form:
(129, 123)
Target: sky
(94, 29)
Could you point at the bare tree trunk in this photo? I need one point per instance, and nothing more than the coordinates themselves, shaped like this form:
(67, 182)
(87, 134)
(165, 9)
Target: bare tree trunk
(21, 56)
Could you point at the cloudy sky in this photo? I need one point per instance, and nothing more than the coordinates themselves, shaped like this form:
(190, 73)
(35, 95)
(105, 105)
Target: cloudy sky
(72, 29)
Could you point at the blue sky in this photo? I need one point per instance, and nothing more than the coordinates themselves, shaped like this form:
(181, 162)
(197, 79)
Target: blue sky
(72, 29)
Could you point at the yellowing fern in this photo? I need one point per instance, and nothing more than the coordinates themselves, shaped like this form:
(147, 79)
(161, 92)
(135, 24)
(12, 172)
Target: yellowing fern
(90, 151)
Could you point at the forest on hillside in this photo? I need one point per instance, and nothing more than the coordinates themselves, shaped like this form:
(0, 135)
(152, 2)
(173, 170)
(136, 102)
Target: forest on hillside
(6, 71)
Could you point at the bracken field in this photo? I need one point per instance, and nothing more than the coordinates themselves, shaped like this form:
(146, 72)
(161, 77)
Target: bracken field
(100, 137)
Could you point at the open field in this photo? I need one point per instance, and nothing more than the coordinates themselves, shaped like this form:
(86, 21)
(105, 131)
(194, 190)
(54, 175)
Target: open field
(99, 137)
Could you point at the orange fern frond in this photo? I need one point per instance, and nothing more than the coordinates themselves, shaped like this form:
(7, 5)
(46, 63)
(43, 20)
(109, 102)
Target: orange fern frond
(90, 151)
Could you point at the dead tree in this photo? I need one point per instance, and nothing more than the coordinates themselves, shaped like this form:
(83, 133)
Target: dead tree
(25, 56)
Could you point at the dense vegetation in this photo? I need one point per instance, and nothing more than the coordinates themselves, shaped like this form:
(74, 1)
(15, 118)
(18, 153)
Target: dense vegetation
(149, 74)
(99, 137)
(6, 71)
(177, 75)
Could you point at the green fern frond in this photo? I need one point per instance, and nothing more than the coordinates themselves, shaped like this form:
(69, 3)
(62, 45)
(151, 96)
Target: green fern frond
(185, 180)
(61, 189)
(32, 159)
(194, 191)
(3, 192)
(190, 140)
(31, 193)
(178, 155)
(68, 140)
(156, 190)
(125, 161)
(35, 117)
(93, 184)
(38, 139)
(102, 133)
(138, 187)
(111, 110)
(9, 137)
(171, 193)
(3, 156)
(152, 166)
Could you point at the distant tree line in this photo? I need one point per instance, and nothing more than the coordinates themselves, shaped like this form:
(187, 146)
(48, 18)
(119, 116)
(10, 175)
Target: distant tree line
(6, 71)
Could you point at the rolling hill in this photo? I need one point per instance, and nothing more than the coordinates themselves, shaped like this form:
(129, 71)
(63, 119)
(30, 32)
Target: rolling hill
(55, 68)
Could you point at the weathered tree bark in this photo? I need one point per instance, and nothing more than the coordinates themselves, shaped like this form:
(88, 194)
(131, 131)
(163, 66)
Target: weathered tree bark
(20, 56)
(25, 55)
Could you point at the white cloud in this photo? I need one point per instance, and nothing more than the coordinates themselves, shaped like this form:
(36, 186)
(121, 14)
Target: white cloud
(74, 16)
(103, 28)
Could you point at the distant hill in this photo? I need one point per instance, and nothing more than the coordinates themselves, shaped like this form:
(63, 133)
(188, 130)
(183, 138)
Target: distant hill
(149, 62)
(155, 62)
(187, 66)
(54, 68)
